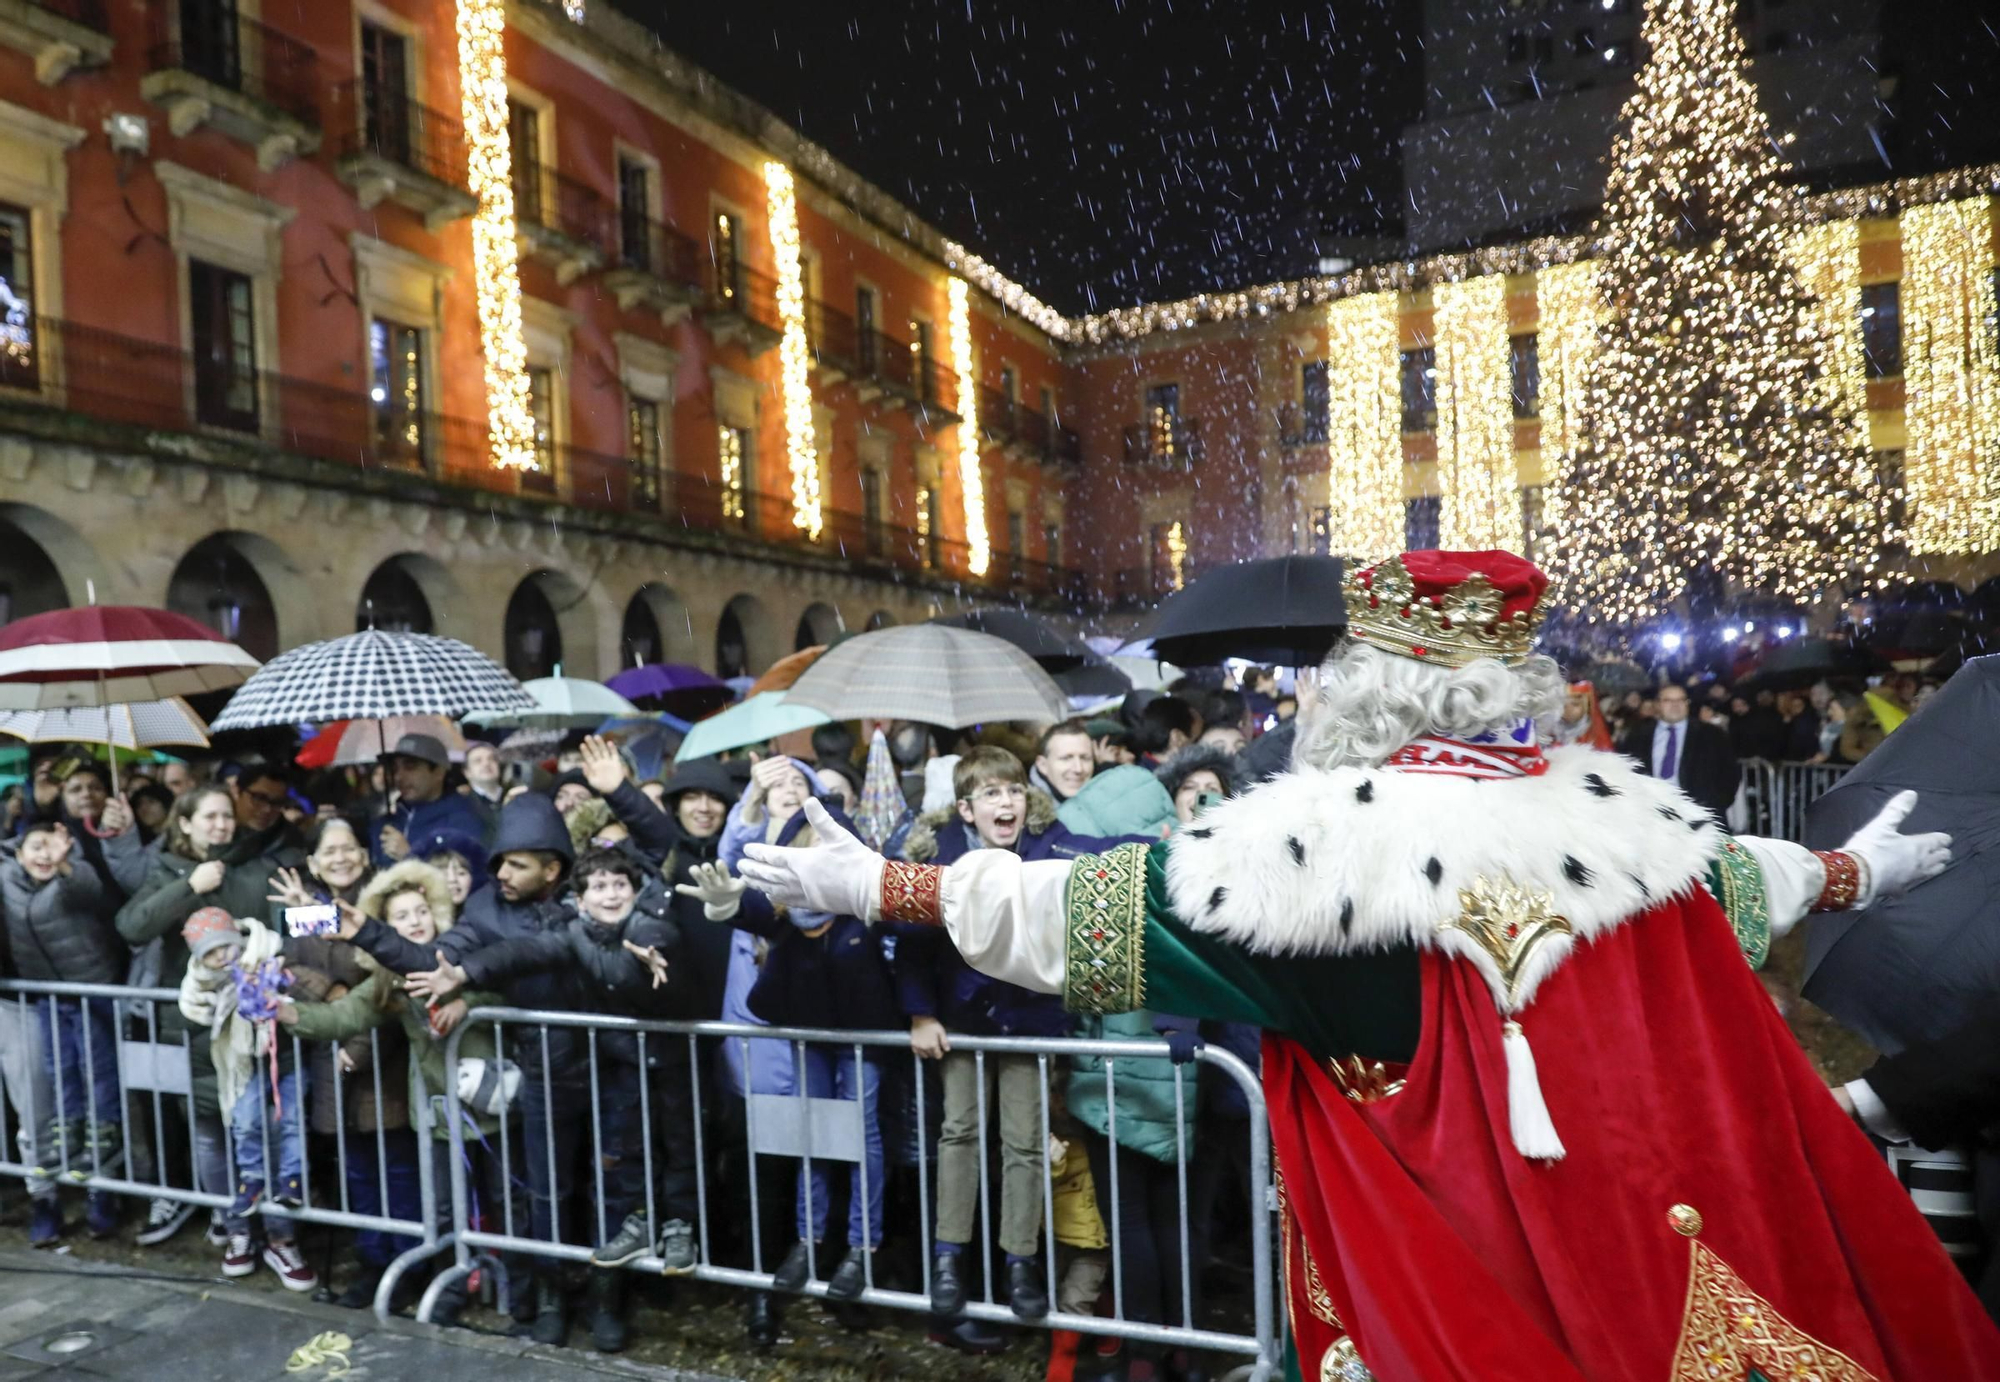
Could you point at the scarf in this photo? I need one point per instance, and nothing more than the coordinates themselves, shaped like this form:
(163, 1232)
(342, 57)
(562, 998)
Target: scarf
(1493, 756)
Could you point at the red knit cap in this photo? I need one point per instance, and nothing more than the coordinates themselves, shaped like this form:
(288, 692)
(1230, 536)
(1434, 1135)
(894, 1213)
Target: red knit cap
(208, 928)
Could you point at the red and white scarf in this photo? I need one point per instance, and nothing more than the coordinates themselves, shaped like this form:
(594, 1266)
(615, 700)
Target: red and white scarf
(1440, 754)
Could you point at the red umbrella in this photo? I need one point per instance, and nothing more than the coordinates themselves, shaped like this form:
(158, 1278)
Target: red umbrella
(108, 654)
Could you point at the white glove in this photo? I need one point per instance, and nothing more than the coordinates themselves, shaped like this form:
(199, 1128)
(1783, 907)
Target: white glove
(1896, 862)
(839, 874)
(721, 896)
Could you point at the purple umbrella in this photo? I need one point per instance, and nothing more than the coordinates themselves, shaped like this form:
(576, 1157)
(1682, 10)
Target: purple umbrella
(686, 691)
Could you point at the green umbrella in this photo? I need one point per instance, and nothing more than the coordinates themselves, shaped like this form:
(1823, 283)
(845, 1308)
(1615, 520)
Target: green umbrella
(764, 716)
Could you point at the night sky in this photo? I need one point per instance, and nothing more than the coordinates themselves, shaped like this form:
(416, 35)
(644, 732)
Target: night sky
(1102, 152)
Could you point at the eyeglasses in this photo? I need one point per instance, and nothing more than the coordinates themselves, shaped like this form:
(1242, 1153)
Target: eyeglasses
(994, 796)
(275, 803)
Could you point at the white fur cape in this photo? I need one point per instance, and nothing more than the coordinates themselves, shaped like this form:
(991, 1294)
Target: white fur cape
(1358, 859)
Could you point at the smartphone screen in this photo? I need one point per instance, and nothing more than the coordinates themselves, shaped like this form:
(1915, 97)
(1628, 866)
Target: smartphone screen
(320, 919)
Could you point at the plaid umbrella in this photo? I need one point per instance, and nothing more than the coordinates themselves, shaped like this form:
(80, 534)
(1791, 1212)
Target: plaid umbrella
(105, 654)
(559, 703)
(126, 725)
(928, 672)
(372, 675)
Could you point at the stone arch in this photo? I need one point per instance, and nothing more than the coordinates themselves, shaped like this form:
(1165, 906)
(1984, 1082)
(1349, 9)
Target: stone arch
(745, 639)
(244, 587)
(45, 564)
(409, 591)
(819, 625)
(550, 625)
(880, 619)
(657, 613)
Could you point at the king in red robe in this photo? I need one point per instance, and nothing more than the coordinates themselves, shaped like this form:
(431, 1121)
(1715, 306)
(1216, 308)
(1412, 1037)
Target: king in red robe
(1535, 1120)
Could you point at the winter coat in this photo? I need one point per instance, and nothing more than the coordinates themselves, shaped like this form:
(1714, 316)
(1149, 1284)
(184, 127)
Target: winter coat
(451, 813)
(56, 931)
(933, 980)
(237, 1047)
(1073, 1201)
(705, 944)
(1145, 1089)
(119, 860)
(1126, 800)
(341, 965)
(1196, 758)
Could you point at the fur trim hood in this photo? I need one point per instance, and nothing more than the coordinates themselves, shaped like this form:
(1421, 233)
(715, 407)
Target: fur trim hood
(375, 900)
(1197, 758)
(922, 845)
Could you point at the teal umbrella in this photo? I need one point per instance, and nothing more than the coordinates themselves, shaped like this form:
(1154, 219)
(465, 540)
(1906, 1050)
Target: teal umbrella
(764, 716)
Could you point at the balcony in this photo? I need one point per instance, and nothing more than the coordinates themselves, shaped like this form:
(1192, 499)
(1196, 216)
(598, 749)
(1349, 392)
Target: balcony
(742, 307)
(156, 397)
(1172, 443)
(60, 36)
(1297, 427)
(390, 148)
(560, 221)
(1026, 433)
(209, 66)
(656, 267)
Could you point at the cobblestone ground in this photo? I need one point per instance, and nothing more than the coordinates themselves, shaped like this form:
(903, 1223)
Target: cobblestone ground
(681, 1329)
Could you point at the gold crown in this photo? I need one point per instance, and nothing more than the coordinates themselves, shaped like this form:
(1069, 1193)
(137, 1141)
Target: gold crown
(1451, 629)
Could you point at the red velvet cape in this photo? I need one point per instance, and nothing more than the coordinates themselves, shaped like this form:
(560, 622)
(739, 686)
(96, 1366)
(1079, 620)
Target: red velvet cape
(1672, 1081)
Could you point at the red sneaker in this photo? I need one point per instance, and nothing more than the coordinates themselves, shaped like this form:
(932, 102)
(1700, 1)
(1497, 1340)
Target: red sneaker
(240, 1257)
(290, 1265)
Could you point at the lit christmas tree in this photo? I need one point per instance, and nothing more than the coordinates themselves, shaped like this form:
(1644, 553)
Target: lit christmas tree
(1718, 439)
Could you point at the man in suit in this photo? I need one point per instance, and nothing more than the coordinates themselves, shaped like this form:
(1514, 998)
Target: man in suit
(1686, 751)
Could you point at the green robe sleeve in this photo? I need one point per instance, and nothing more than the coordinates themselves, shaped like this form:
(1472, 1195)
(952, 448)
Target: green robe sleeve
(1737, 880)
(1124, 949)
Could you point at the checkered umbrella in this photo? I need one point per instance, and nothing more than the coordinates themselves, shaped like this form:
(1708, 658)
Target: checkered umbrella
(928, 672)
(372, 675)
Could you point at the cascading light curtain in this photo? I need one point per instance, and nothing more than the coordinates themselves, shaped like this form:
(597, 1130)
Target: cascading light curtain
(1364, 430)
(1477, 472)
(1569, 308)
(1951, 379)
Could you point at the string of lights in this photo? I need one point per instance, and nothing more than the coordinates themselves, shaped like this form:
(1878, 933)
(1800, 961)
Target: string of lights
(1478, 477)
(794, 351)
(1007, 292)
(1951, 379)
(1568, 310)
(1829, 261)
(1364, 429)
(482, 82)
(971, 482)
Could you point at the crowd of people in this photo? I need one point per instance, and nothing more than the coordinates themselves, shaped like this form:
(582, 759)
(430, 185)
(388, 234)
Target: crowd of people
(572, 886)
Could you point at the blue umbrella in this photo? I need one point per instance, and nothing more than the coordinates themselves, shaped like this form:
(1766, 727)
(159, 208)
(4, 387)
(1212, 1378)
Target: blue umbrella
(765, 715)
(649, 739)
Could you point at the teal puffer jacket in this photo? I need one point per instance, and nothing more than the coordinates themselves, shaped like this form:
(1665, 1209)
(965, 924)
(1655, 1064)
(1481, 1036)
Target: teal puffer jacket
(1144, 1085)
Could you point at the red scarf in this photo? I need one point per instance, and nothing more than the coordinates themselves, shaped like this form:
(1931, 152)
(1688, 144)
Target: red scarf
(1435, 753)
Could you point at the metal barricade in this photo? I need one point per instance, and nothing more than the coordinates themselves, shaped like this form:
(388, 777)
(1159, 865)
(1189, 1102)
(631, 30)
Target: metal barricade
(1776, 795)
(134, 1147)
(533, 1152)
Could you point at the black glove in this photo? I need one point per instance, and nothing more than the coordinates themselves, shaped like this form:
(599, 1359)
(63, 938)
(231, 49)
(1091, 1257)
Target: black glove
(1182, 1043)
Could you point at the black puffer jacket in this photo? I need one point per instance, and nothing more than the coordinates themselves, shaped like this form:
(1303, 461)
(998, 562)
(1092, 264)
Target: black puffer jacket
(57, 931)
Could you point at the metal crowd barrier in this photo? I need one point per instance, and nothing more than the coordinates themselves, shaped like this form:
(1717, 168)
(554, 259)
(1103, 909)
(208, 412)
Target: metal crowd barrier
(155, 1090)
(487, 1245)
(1776, 795)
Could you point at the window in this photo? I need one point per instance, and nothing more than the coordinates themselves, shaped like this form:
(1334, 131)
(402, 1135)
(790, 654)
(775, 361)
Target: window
(1517, 45)
(733, 444)
(396, 387)
(1163, 422)
(542, 408)
(224, 331)
(920, 358)
(1419, 377)
(1526, 363)
(1052, 543)
(1048, 395)
(635, 201)
(20, 362)
(1315, 398)
(642, 446)
(211, 44)
(1420, 523)
(524, 139)
(864, 328)
(726, 250)
(1882, 329)
(871, 512)
(385, 86)
(1017, 539)
(930, 528)
(1531, 518)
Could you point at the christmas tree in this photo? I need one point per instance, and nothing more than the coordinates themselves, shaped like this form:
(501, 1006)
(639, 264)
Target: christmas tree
(1717, 442)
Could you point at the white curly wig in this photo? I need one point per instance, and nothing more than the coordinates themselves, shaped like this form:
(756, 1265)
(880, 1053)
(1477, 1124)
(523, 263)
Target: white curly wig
(1368, 703)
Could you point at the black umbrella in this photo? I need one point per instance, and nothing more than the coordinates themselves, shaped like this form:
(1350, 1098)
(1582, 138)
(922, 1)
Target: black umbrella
(1797, 665)
(1284, 610)
(1096, 677)
(1918, 633)
(1918, 966)
(1047, 645)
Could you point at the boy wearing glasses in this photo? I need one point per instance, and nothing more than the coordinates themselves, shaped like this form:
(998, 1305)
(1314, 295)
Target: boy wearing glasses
(994, 809)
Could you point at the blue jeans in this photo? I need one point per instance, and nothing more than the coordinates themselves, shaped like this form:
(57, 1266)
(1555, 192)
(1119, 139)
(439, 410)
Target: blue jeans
(80, 1053)
(255, 1115)
(831, 1074)
(366, 1182)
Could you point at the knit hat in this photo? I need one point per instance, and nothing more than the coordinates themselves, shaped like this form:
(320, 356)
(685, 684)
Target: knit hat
(209, 928)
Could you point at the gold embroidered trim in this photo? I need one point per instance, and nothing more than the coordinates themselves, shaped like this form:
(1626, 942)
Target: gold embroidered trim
(1104, 944)
(1728, 1329)
(1342, 1360)
(1737, 880)
(1366, 1082)
(1509, 923)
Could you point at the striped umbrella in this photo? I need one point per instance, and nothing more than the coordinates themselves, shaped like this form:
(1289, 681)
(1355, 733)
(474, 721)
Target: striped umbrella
(373, 675)
(929, 672)
(105, 654)
(131, 725)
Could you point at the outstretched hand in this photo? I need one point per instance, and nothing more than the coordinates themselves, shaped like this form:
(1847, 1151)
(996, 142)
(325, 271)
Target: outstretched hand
(435, 985)
(649, 956)
(838, 874)
(603, 769)
(721, 895)
(1897, 862)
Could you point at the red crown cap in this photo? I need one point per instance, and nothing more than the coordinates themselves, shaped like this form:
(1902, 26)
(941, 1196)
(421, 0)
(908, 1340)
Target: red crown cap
(1449, 608)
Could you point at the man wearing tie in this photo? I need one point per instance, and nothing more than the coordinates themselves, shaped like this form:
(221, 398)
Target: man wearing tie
(1683, 750)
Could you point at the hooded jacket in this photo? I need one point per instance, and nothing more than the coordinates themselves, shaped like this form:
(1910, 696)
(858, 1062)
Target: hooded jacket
(1127, 800)
(1196, 758)
(56, 930)
(932, 980)
(705, 944)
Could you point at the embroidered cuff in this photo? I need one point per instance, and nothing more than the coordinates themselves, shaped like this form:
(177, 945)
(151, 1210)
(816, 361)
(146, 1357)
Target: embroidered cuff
(1843, 880)
(913, 892)
(1104, 951)
(1737, 880)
